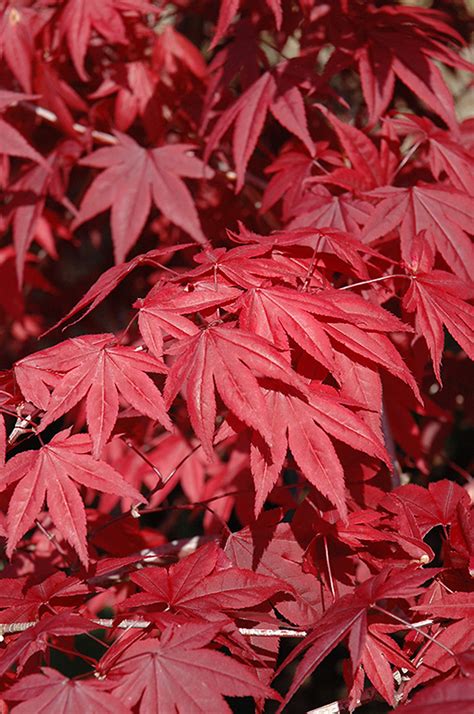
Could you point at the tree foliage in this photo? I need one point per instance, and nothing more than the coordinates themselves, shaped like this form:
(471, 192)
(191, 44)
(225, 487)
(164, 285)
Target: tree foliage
(237, 323)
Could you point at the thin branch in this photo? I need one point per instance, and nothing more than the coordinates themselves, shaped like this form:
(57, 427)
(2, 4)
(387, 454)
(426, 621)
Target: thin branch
(100, 136)
(23, 425)
(15, 627)
(104, 137)
(257, 632)
(416, 627)
(161, 555)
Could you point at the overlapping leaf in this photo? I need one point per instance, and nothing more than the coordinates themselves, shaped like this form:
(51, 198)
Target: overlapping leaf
(35, 639)
(96, 367)
(54, 473)
(349, 615)
(29, 194)
(19, 25)
(341, 319)
(229, 360)
(229, 9)
(278, 354)
(390, 43)
(23, 599)
(162, 311)
(271, 548)
(181, 673)
(445, 154)
(52, 690)
(155, 177)
(453, 697)
(80, 17)
(305, 427)
(202, 587)
(246, 266)
(276, 92)
(320, 208)
(439, 298)
(444, 214)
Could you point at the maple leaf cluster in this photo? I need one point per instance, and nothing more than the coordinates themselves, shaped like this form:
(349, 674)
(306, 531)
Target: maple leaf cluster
(237, 335)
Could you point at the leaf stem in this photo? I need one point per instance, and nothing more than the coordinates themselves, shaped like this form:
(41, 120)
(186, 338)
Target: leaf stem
(407, 158)
(375, 280)
(155, 469)
(413, 626)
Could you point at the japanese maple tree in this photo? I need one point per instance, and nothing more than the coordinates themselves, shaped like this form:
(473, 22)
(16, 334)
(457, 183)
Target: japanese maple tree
(237, 337)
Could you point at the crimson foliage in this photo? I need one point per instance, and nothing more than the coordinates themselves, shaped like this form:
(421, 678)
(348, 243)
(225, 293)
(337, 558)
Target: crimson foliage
(258, 215)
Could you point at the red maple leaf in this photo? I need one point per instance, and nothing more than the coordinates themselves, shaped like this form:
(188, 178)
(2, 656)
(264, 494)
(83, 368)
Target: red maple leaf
(229, 360)
(379, 653)
(173, 51)
(19, 25)
(276, 91)
(271, 548)
(395, 42)
(430, 507)
(326, 242)
(35, 639)
(22, 598)
(453, 697)
(288, 173)
(52, 690)
(438, 298)
(348, 615)
(303, 427)
(444, 153)
(54, 472)
(377, 668)
(155, 175)
(367, 171)
(440, 660)
(180, 672)
(311, 318)
(58, 96)
(203, 584)
(455, 606)
(96, 367)
(162, 311)
(292, 332)
(134, 85)
(241, 56)
(244, 266)
(318, 208)
(79, 17)
(324, 324)
(30, 192)
(228, 10)
(335, 552)
(445, 216)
